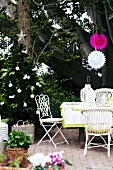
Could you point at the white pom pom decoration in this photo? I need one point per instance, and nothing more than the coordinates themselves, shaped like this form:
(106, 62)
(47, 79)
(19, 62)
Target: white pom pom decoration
(96, 59)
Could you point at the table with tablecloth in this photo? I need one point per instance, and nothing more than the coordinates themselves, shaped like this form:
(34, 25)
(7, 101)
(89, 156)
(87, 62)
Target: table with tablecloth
(71, 113)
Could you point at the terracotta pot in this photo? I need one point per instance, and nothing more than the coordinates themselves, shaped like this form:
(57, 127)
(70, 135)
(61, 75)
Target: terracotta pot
(16, 152)
(14, 168)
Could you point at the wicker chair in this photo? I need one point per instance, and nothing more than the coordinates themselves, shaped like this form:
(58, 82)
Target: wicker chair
(97, 124)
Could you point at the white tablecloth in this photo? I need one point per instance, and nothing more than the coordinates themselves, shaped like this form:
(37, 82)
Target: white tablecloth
(71, 112)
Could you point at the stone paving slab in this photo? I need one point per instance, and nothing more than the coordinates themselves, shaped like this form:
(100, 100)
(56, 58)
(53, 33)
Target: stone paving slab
(96, 159)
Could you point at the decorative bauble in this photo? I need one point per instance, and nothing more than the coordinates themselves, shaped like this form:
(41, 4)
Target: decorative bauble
(28, 77)
(19, 90)
(10, 84)
(25, 104)
(25, 76)
(32, 95)
(17, 68)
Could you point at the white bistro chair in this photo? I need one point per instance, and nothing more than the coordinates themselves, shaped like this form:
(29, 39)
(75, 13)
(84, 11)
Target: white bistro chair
(46, 119)
(97, 124)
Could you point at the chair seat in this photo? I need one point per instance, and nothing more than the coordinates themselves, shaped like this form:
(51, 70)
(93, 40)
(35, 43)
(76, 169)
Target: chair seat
(52, 120)
(97, 129)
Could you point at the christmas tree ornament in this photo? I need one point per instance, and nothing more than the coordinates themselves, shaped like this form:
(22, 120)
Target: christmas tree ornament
(25, 104)
(21, 37)
(96, 59)
(10, 84)
(19, 90)
(98, 41)
(28, 77)
(32, 96)
(25, 76)
(12, 97)
(17, 68)
(1, 103)
(38, 84)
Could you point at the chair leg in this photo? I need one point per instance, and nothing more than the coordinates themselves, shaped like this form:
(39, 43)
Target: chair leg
(109, 139)
(47, 133)
(86, 143)
(64, 136)
(59, 131)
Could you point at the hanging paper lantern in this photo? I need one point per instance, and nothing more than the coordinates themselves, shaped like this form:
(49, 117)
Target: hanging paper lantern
(98, 41)
(96, 59)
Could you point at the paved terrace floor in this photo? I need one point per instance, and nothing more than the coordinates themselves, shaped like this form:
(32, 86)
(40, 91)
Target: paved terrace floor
(96, 159)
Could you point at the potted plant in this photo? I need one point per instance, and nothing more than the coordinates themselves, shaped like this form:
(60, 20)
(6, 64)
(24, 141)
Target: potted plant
(52, 161)
(20, 163)
(17, 144)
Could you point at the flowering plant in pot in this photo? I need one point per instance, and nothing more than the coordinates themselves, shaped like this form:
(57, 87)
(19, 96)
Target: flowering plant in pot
(52, 161)
(17, 143)
(21, 162)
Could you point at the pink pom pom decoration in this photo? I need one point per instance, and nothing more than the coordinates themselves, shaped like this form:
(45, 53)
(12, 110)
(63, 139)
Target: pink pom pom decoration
(98, 41)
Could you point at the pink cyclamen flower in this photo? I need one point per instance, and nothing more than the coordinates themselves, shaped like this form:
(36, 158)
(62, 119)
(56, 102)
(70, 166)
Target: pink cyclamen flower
(98, 41)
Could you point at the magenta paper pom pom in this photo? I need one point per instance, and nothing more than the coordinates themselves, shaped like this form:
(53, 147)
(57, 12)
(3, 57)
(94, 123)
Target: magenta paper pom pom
(98, 41)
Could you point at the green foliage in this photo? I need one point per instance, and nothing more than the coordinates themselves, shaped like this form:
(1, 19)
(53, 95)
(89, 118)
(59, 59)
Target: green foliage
(18, 139)
(3, 158)
(57, 92)
(2, 99)
(16, 162)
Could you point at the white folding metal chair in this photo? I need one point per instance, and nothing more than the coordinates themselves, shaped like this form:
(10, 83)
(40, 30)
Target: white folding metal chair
(46, 119)
(97, 123)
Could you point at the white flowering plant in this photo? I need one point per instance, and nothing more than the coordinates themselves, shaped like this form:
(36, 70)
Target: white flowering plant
(52, 160)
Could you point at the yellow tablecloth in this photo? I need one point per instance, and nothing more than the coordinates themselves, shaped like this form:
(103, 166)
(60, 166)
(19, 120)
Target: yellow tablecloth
(71, 113)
